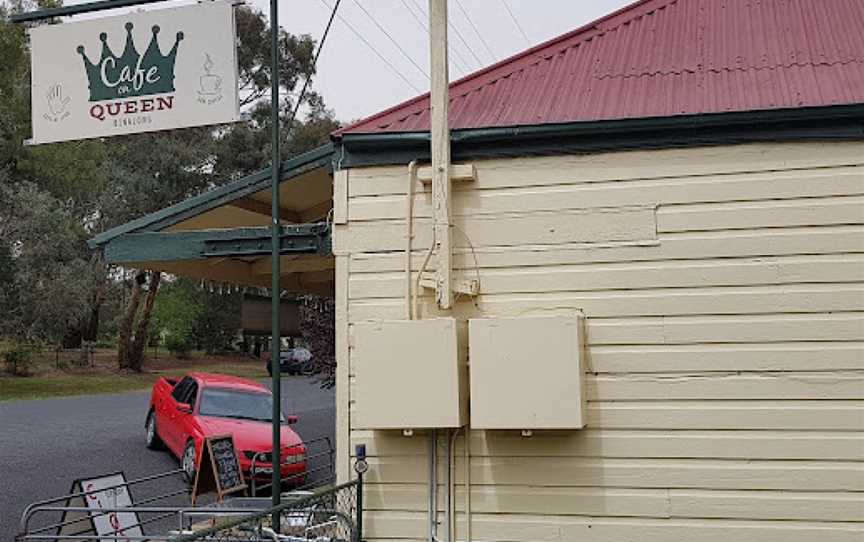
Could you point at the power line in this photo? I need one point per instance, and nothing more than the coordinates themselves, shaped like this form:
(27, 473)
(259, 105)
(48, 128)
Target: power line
(516, 22)
(396, 43)
(374, 50)
(420, 21)
(456, 58)
(476, 31)
(314, 65)
(461, 38)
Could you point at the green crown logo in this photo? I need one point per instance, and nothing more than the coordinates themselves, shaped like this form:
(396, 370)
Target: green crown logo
(131, 74)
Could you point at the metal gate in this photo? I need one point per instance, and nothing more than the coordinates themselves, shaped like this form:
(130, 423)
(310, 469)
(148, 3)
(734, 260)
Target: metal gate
(329, 515)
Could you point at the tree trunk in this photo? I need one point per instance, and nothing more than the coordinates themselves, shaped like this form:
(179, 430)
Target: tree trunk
(139, 343)
(91, 326)
(124, 346)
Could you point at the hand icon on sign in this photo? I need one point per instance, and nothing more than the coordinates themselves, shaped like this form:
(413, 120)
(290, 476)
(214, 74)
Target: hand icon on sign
(56, 102)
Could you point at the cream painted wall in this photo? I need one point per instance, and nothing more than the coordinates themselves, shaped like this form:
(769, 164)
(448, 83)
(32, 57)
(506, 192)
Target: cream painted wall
(725, 321)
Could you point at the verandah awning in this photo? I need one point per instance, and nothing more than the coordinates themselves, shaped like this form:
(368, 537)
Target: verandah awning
(224, 235)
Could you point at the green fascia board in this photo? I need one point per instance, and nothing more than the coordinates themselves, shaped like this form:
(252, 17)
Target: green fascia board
(260, 180)
(805, 123)
(203, 244)
(76, 9)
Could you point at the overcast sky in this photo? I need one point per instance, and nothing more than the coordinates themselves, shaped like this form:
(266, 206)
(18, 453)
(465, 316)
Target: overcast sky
(356, 83)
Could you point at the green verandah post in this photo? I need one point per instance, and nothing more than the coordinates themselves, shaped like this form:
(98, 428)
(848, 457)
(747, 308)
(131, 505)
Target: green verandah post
(275, 287)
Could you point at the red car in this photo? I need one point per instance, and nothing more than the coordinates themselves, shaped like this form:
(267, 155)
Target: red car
(183, 413)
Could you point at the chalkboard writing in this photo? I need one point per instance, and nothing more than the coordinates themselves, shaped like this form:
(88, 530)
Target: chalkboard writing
(227, 466)
(219, 468)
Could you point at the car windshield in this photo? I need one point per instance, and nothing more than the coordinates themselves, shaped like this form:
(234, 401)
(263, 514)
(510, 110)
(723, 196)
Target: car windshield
(228, 403)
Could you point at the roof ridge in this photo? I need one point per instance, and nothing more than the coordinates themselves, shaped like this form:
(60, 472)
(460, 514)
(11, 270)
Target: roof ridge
(514, 60)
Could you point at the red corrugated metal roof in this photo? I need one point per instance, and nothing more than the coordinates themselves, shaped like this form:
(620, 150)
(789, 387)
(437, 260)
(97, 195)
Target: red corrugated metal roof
(660, 58)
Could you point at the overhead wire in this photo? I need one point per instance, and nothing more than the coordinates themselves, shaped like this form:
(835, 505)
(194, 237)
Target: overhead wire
(516, 22)
(392, 39)
(476, 30)
(314, 66)
(457, 59)
(374, 50)
(459, 35)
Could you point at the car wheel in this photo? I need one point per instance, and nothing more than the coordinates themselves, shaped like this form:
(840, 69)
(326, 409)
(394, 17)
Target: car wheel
(188, 461)
(150, 436)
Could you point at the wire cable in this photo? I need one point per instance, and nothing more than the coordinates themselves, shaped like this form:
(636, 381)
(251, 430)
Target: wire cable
(516, 22)
(374, 50)
(476, 31)
(459, 35)
(314, 66)
(393, 40)
(457, 59)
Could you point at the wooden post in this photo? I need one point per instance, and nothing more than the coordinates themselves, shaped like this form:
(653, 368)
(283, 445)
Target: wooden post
(441, 153)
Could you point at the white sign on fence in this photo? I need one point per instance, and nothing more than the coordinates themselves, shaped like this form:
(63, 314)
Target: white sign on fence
(146, 71)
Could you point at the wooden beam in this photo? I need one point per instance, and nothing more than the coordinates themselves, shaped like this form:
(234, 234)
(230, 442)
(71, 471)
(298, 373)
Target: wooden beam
(263, 208)
(441, 153)
(458, 172)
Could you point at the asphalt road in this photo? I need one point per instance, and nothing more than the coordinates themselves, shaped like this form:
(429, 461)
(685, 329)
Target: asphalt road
(46, 444)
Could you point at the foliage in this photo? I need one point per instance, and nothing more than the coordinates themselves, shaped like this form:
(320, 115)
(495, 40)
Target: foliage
(19, 359)
(175, 315)
(188, 316)
(53, 198)
(317, 328)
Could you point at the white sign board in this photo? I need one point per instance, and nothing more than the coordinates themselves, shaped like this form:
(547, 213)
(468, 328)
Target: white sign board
(103, 492)
(146, 71)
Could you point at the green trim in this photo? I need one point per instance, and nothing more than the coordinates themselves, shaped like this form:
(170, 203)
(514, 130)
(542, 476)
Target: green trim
(62, 11)
(202, 244)
(829, 122)
(260, 180)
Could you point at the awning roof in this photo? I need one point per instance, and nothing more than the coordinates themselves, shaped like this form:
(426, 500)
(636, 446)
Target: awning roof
(224, 234)
(250, 194)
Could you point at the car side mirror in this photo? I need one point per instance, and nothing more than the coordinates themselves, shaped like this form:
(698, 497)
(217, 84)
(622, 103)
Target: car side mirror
(292, 420)
(184, 407)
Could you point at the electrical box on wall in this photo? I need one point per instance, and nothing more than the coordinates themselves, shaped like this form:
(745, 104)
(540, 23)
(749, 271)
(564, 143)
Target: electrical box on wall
(411, 374)
(527, 373)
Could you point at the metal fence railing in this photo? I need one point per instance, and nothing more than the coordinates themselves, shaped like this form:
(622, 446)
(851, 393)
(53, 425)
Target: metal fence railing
(319, 462)
(326, 515)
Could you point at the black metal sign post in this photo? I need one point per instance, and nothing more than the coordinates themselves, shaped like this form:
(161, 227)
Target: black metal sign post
(275, 284)
(275, 226)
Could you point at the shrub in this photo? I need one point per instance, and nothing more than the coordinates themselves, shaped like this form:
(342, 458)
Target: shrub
(179, 345)
(19, 360)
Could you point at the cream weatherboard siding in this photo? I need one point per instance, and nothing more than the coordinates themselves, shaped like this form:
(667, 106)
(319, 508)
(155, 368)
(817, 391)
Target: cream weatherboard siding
(725, 321)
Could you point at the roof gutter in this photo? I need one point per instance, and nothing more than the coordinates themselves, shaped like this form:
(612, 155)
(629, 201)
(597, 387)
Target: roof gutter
(829, 122)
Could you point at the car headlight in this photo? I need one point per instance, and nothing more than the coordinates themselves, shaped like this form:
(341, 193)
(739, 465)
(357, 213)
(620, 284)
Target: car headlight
(290, 459)
(261, 457)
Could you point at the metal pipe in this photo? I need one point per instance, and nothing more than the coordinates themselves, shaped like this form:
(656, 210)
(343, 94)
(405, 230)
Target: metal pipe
(409, 221)
(66, 498)
(433, 484)
(467, 484)
(276, 272)
(451, 486)
(447, 478)
(74, 521)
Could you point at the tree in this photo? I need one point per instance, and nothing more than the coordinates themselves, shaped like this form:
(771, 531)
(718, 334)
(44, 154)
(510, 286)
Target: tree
(54, 197)
(317, 328)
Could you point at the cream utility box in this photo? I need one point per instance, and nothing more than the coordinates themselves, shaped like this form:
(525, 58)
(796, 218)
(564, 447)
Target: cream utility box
(411, 374)
(527, 373)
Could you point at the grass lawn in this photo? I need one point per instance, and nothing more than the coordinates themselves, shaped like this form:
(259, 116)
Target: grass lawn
(104, 378)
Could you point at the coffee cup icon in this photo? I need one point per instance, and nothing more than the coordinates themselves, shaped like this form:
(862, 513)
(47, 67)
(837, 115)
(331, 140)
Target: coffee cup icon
(210, 84)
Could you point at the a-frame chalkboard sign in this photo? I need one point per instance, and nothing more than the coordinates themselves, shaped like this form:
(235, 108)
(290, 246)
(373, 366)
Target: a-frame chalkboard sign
(219, 469)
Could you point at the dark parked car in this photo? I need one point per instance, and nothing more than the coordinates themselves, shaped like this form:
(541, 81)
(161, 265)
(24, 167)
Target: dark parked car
(293, 361)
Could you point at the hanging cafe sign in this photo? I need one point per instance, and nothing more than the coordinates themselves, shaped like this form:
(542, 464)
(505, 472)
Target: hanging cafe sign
(141, 72)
